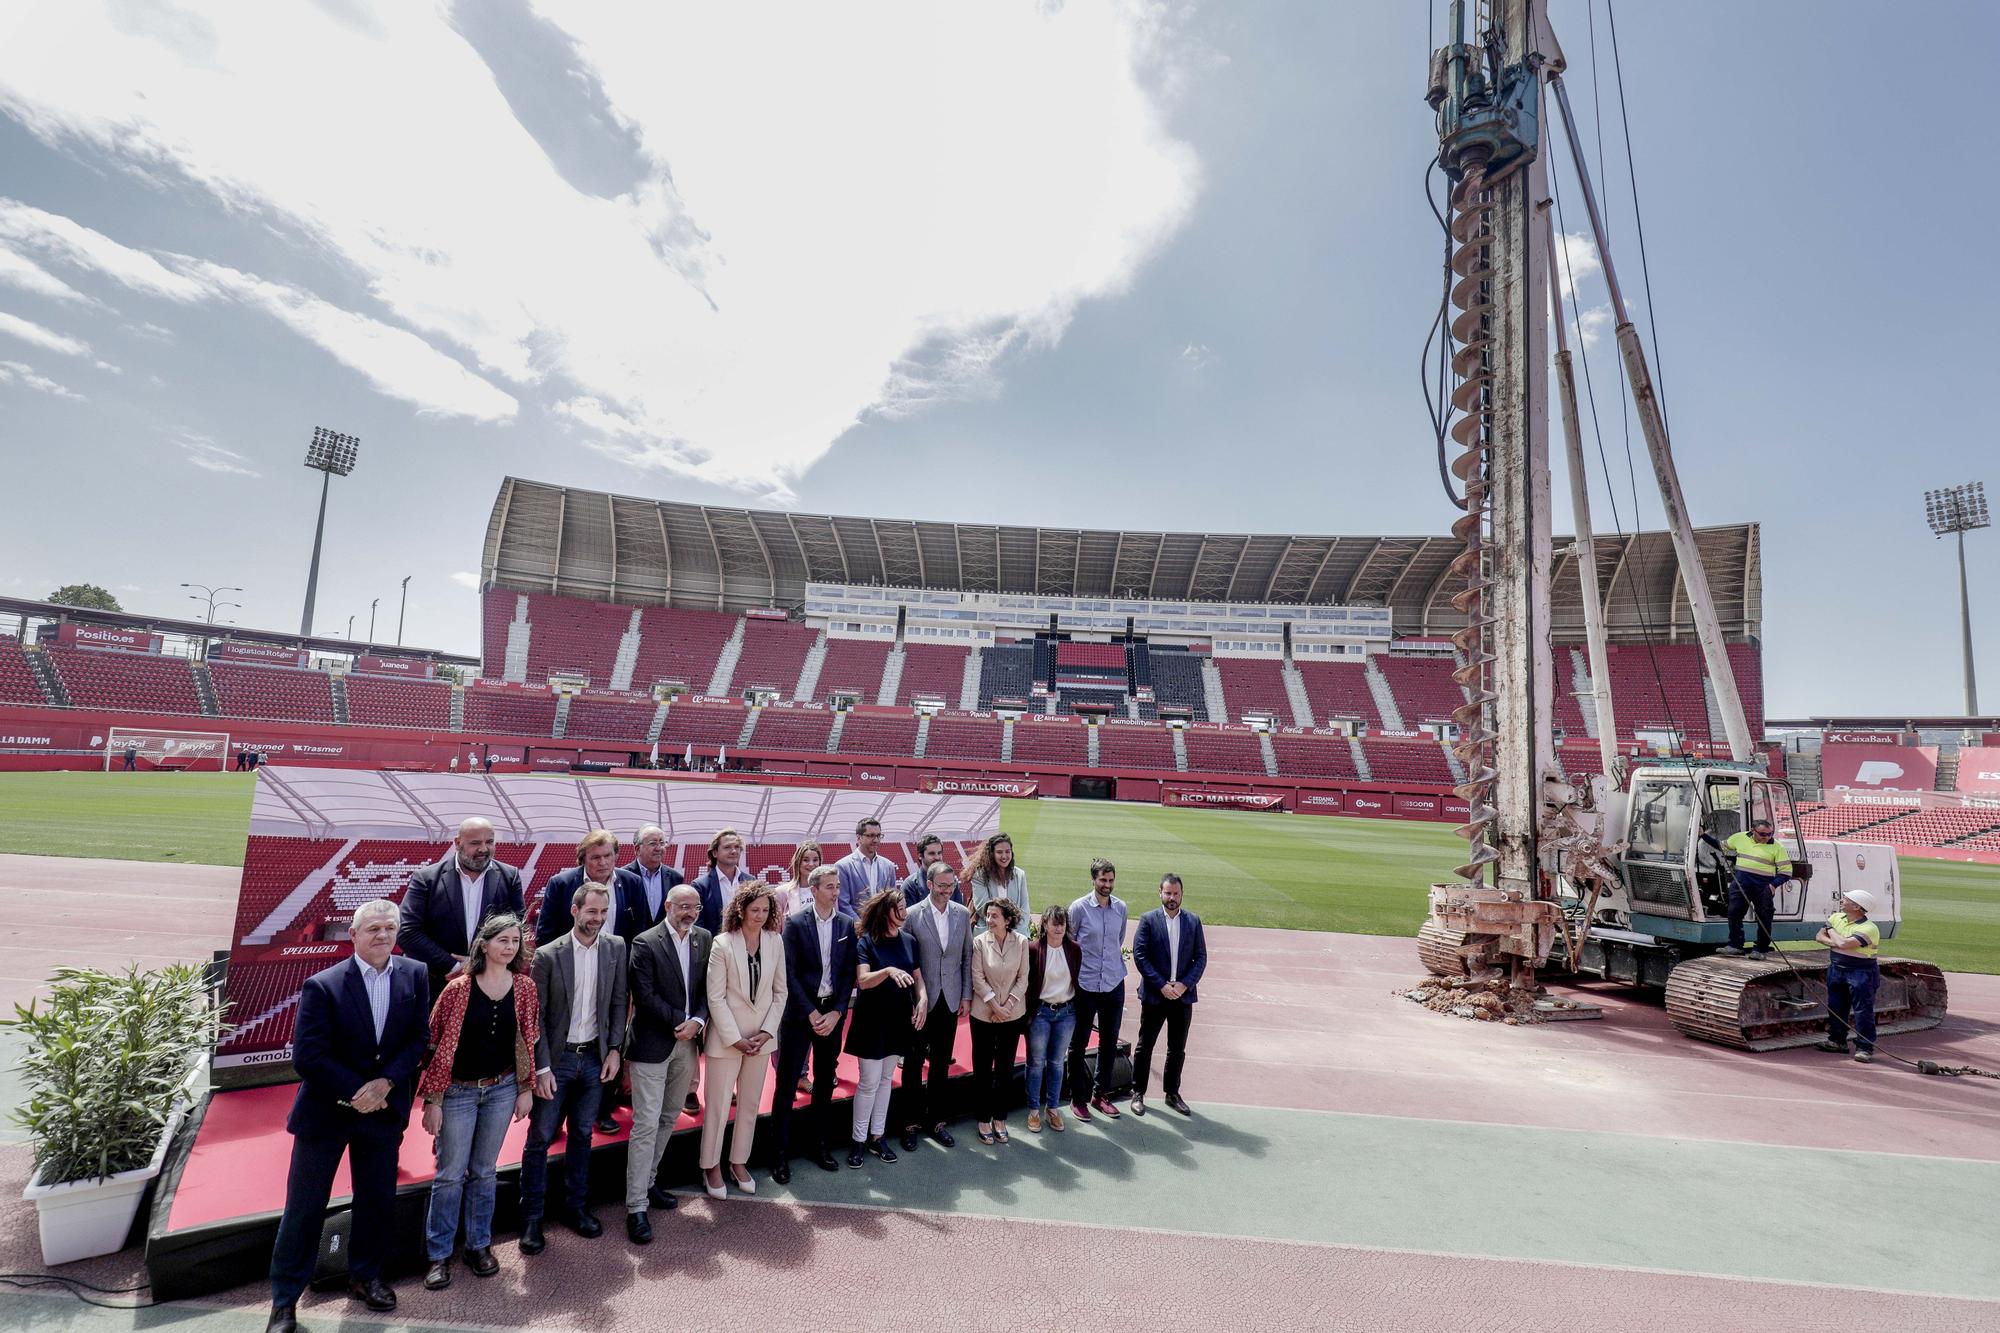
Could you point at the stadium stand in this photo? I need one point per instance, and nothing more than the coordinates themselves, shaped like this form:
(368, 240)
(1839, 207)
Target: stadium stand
(382, 701)
(17, 679)
(932, 670)
(496, 611)
(773, 653)
(101, 678)
(1935, 828)
(1223, 752)
(879, 734)
(852, 666)
(273, 693)
(1052, 742)
(1642, 698)
(1838, 821)
(509, 712)
(690, 723)
(963, 738)
(1006, 671)
(1406, 761)
(680, 646)
(1746, 663)
(1339, 690)
(1423, 687)
(1134, 745)
(1577, 760)
(568, 634)
(1254, 685)
(1177, 680)
(792, 729)
(610, 718)
(1314, 756)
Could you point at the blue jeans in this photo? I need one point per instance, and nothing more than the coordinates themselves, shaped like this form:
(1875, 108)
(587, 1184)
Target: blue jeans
(578, 1091)
(475, 1123)
(1048, 1047)
(1850, 1001)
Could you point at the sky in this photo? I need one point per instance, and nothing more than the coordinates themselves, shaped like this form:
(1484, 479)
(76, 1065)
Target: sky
(1108, 264)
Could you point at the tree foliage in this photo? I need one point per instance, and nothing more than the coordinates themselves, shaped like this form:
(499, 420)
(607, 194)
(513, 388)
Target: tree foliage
(88, 596)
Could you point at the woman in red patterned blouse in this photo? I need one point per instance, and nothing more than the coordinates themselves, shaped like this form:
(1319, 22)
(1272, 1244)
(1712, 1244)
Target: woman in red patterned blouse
(480, 1075)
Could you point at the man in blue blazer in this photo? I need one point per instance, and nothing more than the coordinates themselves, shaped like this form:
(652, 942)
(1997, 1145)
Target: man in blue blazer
(363, 1025)
(821, 958)
(1171, 954)
(596, 861)
(656, 879)
(446, 903)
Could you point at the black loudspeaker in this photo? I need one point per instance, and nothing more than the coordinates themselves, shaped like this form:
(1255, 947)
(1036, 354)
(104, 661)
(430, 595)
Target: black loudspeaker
(330, 1269)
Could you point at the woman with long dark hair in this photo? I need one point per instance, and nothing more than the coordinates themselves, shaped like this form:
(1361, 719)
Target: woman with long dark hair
(480, 1076)
(887, 1012)
(991, 872)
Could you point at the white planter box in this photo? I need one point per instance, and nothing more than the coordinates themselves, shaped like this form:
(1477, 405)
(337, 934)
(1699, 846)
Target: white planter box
(82, 1219)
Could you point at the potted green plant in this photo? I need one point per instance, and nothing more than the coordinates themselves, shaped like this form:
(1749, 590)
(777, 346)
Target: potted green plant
(110, 1065)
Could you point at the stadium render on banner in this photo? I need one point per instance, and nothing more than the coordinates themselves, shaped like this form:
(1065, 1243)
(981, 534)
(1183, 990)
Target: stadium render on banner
(324, 841)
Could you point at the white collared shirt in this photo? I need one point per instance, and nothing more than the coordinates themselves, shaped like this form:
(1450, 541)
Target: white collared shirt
(684, 952)
(1173, 946)
(376, 983)
(471, 889)
(824, 925)
(943, 916)
(583, 1003)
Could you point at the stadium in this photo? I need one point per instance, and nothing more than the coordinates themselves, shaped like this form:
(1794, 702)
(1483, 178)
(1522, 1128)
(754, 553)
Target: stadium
(1535, 923)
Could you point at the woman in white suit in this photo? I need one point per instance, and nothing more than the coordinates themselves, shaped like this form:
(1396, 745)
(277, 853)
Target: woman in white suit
(746, 998)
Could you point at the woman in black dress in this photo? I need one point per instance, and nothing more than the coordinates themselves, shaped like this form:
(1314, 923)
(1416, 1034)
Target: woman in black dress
(886, 1014)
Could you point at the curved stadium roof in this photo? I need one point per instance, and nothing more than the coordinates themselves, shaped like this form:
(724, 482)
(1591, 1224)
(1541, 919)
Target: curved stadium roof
(558, 539)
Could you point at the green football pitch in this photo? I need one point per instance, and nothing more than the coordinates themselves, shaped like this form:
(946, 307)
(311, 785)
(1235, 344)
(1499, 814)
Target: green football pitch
(1366, 876)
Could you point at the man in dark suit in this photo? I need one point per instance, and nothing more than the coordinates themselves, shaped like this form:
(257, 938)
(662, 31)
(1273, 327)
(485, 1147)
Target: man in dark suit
(597, 863)
(669, 1014)
(581, 980)
(446, 903)
(820, 962)
(648, 907)
(940, 931)
(1171, 954)
(362, 1030)
(930, 851)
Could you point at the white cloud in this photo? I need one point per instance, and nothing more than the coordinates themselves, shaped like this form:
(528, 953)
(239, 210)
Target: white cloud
(872, 213)
(203, 452)
(19, 271)
(48, 339)
(63, 240)
(395, 361)
(15, 372)
(1594, 322)
(1197, 356)
(1576, 261)
(110, 369)
(465, 578)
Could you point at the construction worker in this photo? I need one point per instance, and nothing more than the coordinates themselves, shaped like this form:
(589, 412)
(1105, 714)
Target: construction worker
(1761, 866)
(1852, 974)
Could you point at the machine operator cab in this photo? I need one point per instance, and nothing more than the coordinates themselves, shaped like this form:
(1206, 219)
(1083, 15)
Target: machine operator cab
(1679, 819)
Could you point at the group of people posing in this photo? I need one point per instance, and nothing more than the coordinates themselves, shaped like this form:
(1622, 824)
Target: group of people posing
(682, 992)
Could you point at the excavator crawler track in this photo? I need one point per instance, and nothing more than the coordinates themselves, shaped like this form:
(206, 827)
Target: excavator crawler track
(1440, 950)
(1768, 1005)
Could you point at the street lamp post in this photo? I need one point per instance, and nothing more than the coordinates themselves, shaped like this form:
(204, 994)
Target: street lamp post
(332, 455)
(401, 607)
(371, 619)
(350, 629)
(1953, 512)
(207, 596)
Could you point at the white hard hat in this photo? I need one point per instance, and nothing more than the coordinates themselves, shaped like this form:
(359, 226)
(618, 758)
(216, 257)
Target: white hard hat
(1862, 899)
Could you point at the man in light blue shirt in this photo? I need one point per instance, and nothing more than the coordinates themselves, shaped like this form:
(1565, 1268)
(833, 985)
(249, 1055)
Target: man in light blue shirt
(1097, 923)
(864, 873)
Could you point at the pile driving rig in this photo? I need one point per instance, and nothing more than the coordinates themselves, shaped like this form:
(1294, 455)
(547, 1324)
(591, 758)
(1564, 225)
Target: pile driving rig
(1619, 875)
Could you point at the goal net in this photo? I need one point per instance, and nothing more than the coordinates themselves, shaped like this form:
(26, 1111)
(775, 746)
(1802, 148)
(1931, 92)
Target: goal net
(148, 749)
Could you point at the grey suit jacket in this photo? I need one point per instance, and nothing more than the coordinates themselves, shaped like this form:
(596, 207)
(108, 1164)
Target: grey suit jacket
(555, 979)
(945, 963)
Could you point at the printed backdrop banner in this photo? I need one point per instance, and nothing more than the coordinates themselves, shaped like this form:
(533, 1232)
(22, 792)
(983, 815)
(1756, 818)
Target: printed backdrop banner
(1221, 798)
(1979, 768)
(977, 786)
(1878, 767)
(324, 841)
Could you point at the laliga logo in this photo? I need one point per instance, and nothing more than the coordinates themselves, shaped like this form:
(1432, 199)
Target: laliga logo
(1875, 772)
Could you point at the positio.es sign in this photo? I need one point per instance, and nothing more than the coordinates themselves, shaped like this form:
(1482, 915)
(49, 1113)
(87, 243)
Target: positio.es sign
(105, 636)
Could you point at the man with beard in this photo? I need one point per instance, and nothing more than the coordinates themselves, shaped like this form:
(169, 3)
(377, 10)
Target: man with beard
(446, 903)
(669, 1015)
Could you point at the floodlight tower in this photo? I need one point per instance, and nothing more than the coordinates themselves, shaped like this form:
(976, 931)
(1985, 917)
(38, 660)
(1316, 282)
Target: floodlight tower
(1955, 511)
(332, 455)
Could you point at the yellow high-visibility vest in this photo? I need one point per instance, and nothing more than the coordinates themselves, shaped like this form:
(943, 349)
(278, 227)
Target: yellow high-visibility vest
(1759, 858)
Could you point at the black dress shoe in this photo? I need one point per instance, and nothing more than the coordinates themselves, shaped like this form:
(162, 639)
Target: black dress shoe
(910, 1137)
(825, 1161)
(438, 1276)
(1138, 1106)
(1175, 1103)
(639, 1228)
(781, 1174)
(881, 1148)
(606, 1125)
(284, 1319)
(693, 1105)
(481, 1261)
(857, 1154)
(586, 1225)
(943, 1136)
(374, 1294)
(532, 1239)
(660, 1197)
